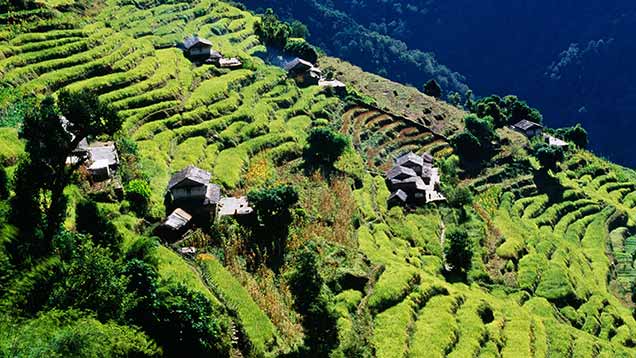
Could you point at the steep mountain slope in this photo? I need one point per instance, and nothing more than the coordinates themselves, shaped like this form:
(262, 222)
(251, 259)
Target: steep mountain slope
(570, 59)
(553, 262)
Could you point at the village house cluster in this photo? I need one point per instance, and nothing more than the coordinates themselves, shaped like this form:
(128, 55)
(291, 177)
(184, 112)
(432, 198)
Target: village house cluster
(414, 180)
(192, 199)
(200, 50)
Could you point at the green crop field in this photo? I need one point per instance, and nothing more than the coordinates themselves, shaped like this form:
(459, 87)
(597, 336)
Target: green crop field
(552, 270)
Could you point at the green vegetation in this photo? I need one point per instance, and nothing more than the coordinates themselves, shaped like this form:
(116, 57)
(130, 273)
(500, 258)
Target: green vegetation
(518, 262)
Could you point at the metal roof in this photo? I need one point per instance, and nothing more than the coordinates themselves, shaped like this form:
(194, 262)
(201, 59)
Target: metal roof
(397, 170)
(103, 155)
(298, 63)
(399, 194)
(189, 42)
(526, 125)
(178, 219)
(192, 173)
(410, 158)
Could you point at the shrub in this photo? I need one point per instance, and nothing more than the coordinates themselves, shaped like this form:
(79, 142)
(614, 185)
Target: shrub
(4, 184)
(324, 147)
(432, 88)
(138, 193)
(458, 249)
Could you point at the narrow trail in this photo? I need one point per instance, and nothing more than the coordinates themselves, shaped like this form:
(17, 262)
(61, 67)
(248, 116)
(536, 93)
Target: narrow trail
(442, 242)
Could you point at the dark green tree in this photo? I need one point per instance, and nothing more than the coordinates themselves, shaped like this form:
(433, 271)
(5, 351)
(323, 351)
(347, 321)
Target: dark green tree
(90, 280)
(4, 184)
(302, 49)
(469, 103)
(49, 141)
(519, 110)
(466, 146)
(93, 222)
(185, 320)
(273, 217)
(491, 109)
(432, 88)
(482, 129)
(324, 147)
(298, 29)
(459, 197)
(548, 156)
(577, 135)
(272, 31)
(458, 249)
(311, 299)
(138, 194)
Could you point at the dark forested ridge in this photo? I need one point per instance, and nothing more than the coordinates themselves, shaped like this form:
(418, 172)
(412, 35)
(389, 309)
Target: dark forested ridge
(570, 59)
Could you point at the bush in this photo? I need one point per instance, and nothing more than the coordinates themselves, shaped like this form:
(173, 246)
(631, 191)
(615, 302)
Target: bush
(4, 184)
(458, 249)
(432, 88)
(324, 147)
(548, 156)
(185, 319)
(271, 30)
(138, 194)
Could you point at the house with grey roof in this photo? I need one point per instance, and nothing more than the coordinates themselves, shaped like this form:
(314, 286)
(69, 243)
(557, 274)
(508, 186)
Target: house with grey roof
(528, 128)
(191, 189)
(413, 181)
(175, 225)
(398, 198)
(412, 161)
(303, 72)
(103, 160)
(400, 173)
(197, 47)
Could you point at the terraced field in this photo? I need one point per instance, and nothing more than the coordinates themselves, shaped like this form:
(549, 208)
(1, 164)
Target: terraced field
(179, 114)
(551, 270)
(382, 136)
(561, 306)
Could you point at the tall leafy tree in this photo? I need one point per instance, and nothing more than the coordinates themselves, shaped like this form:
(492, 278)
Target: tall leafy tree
(458, 250)
(324, 147)
(312, 301)
(433, 89)
(39, 206)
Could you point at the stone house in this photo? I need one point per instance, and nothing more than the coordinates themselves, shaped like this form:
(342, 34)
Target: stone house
(191, 190)
(198, 48)
(528, 128)
(303, 72)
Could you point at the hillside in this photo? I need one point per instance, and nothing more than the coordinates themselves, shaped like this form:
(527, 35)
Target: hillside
(570, 59)
(324, 266)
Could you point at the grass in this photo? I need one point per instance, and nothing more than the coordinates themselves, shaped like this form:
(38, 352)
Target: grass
(259, 329)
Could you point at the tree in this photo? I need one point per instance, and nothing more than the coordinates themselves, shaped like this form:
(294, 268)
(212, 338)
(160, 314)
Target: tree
(432, 88)
(491, 109)
(301, 48)
(299, 30)
(466, 146)
(311, 299)
(468, 105)
(273, 212)
(458, 250)
(272, 31)
(4, 184)
(482, 129)
(91, 221)
(324, 147)
(185, 320)
(49, 141)
(459, 197)
(548, 156)
(577, 135)
(90, 280)
(138, 194)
